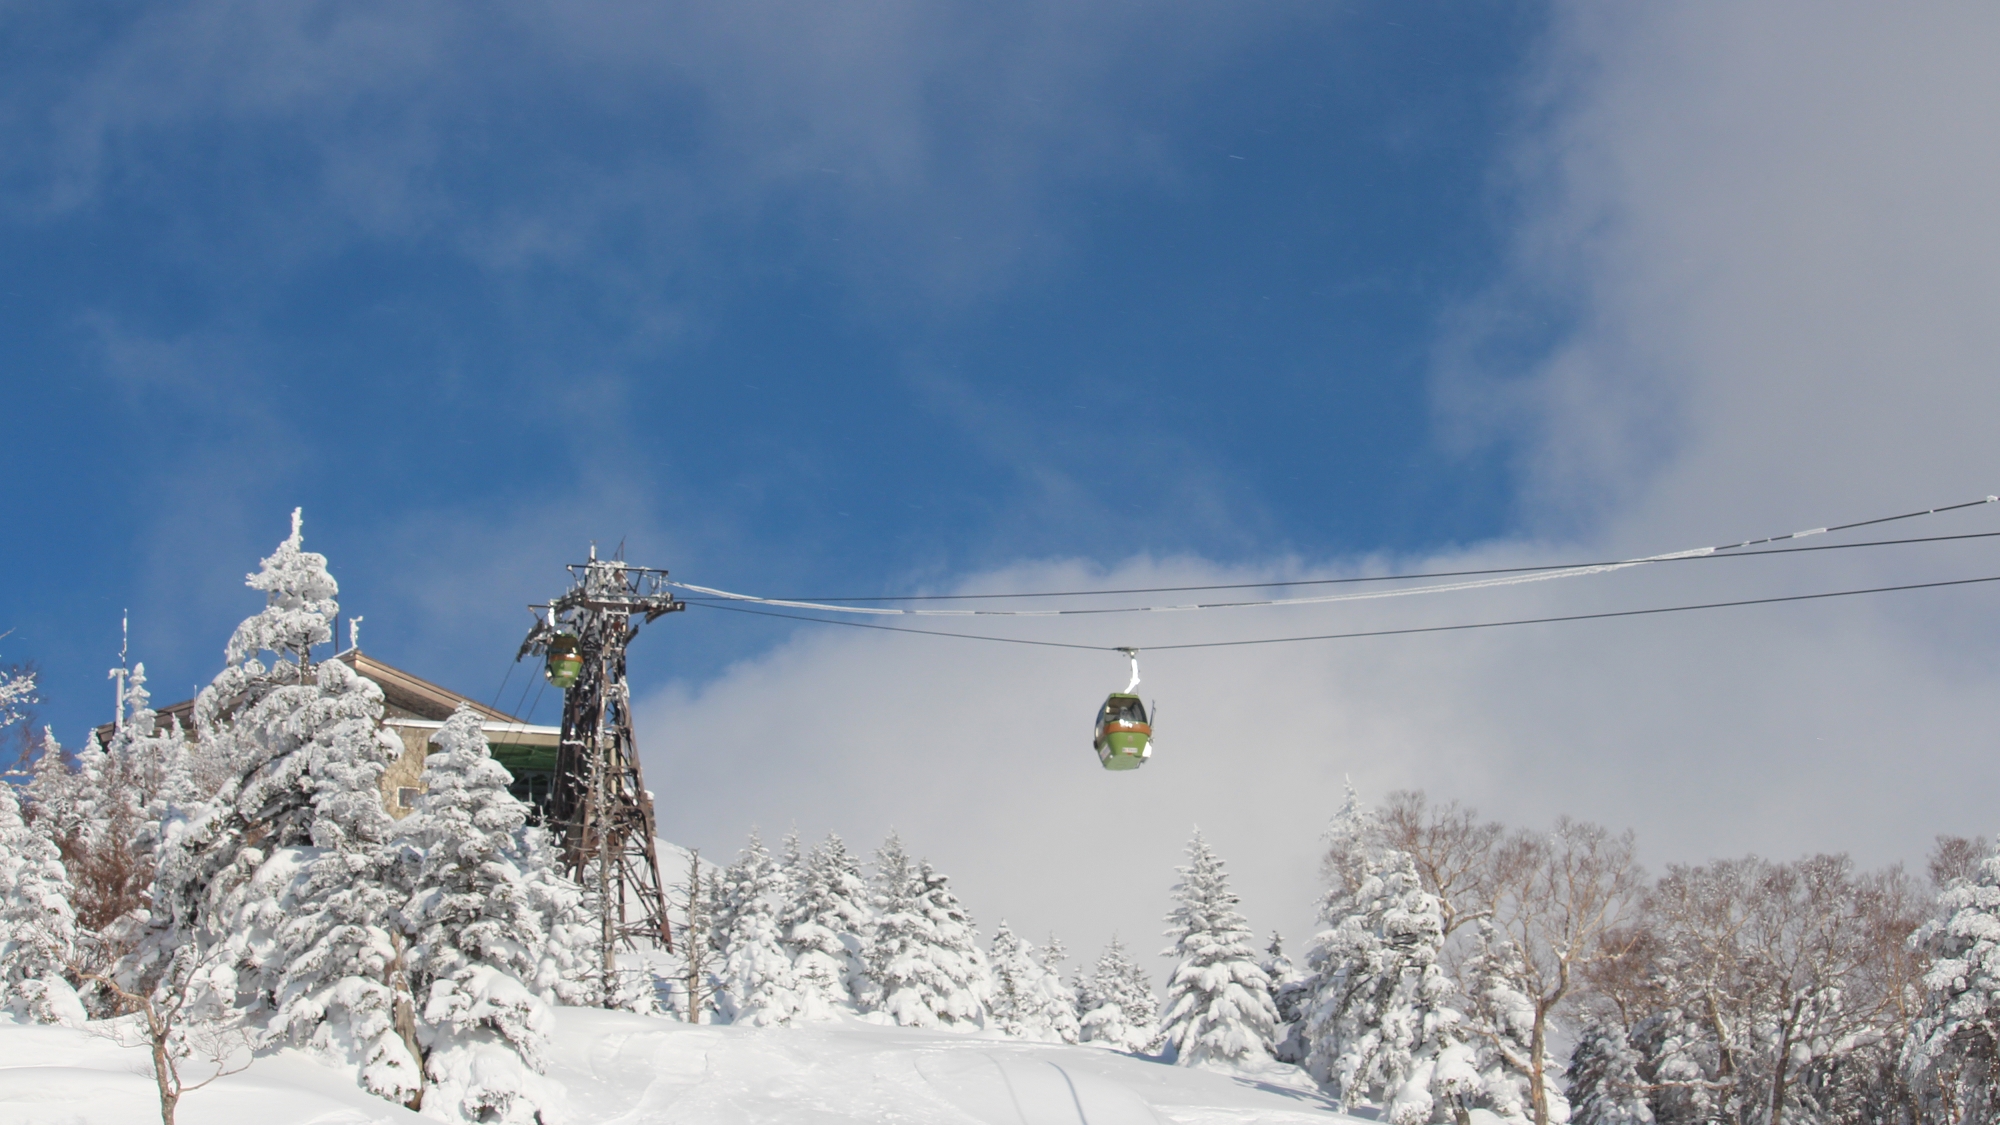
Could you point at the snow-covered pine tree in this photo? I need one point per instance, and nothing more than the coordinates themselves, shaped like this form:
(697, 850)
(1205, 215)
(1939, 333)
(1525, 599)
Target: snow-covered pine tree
(252, 725)
(290, 866)
(1380, 1023)
(755, 985)
(1505, 1019)
(37, 925)
(479, 908)
(1604, 1086)
(249, 713)
(1379, 1017)
(1218, 999)
(53, 791)
(1290, 989)
(823, 926)
(17, 693)
(1061, 998)
(1952, 1056)
(924, 969)
(336, 926)
(1116, 1003)
(957, 955)
(124, 790)
(1028, 1000)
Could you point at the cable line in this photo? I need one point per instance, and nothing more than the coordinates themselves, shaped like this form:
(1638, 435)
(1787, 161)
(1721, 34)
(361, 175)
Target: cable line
(1506, 578)
(1582, 616)
(1369, 632)
(1275, 583)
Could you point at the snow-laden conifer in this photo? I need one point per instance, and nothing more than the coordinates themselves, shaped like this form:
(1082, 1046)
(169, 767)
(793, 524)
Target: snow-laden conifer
(1952, 1056)
(53, 793)
(924, 968)
(755, 985)
(1116, 1004)
(1062, 1000)
(1505, 1017)
(1604, 1086)
(37, 925)
(485, 906)
(1380, 1024)
(1290, 989)
(823, 926)
(336, 927)
(1218, 999)
(123, 791)
(1028, 1001)
(17, 693)
(290, 866)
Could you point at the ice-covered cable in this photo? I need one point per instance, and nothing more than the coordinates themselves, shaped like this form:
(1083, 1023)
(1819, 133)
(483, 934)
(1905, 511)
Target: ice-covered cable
(1369, 632)
(1513, 579)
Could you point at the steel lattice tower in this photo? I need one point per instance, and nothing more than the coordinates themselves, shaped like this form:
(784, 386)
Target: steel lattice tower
(599, 808)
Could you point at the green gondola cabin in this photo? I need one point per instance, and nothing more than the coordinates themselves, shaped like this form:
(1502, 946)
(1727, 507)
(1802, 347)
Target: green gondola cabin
(1123, 738)
(565, 660)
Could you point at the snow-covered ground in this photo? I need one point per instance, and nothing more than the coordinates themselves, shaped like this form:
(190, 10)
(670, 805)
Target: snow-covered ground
(634, 1070)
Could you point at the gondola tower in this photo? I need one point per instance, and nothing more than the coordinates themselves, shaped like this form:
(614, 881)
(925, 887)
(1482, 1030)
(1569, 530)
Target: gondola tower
(599, 808)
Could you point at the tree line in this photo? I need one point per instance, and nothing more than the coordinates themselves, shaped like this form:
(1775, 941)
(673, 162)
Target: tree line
(1462, 969)
(239, 886)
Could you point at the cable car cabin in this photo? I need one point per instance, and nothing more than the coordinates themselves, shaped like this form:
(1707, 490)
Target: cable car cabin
(565, 660)
(1124, 739)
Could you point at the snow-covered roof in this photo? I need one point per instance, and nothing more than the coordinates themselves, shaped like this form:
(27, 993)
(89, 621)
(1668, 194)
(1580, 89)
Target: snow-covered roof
(405, 697)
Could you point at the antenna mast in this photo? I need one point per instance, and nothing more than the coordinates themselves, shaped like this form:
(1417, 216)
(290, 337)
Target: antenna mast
(599, 807)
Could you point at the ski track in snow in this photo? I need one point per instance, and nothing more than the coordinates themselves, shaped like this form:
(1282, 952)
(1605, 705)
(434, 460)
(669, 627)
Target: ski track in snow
(622, 1069)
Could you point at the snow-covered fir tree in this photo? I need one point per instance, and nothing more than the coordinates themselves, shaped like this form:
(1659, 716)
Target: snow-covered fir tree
(1218, 1000)
(924, 968)
(38, 938)
(1604, 1085)
(123, 791)
(1504, 1018)
(1062, 997)
(53, 793)
(823, 926)
(754, 981)
(336, 929)
(1952, 1056)
(1383, 1026)
(253, 727)
(1116, 1004)
(17, 693)
(1029, 1000)
(1290, 989)
(479, 908)
(1380, 1023)
(290, 867)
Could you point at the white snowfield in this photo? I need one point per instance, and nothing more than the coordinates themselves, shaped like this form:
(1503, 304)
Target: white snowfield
(622, 1069)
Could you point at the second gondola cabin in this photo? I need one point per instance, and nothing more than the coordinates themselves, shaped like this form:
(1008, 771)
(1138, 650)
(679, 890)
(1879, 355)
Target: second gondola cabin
(1124, 737)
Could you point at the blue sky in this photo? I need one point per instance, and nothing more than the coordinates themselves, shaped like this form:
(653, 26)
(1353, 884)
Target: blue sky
(968, 288)
(872, 298)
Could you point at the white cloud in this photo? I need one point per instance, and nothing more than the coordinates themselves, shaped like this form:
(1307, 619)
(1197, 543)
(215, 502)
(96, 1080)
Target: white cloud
(1770, 230)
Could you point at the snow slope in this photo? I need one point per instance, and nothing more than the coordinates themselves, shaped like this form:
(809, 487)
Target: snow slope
(622, 1069)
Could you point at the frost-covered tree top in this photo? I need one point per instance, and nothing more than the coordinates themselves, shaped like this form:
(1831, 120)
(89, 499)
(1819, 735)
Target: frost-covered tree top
(1115, 1002)
(1029, 1001)
(486, 906)
(299, 605)
(17, 691)
(823, 925)
(924, 968)
(1960, 1018)
(1219, 1000)
(756, 981)
(37, 925)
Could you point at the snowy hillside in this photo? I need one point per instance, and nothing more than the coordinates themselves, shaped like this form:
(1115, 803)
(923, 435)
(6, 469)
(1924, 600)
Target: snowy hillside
(634, 1070)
